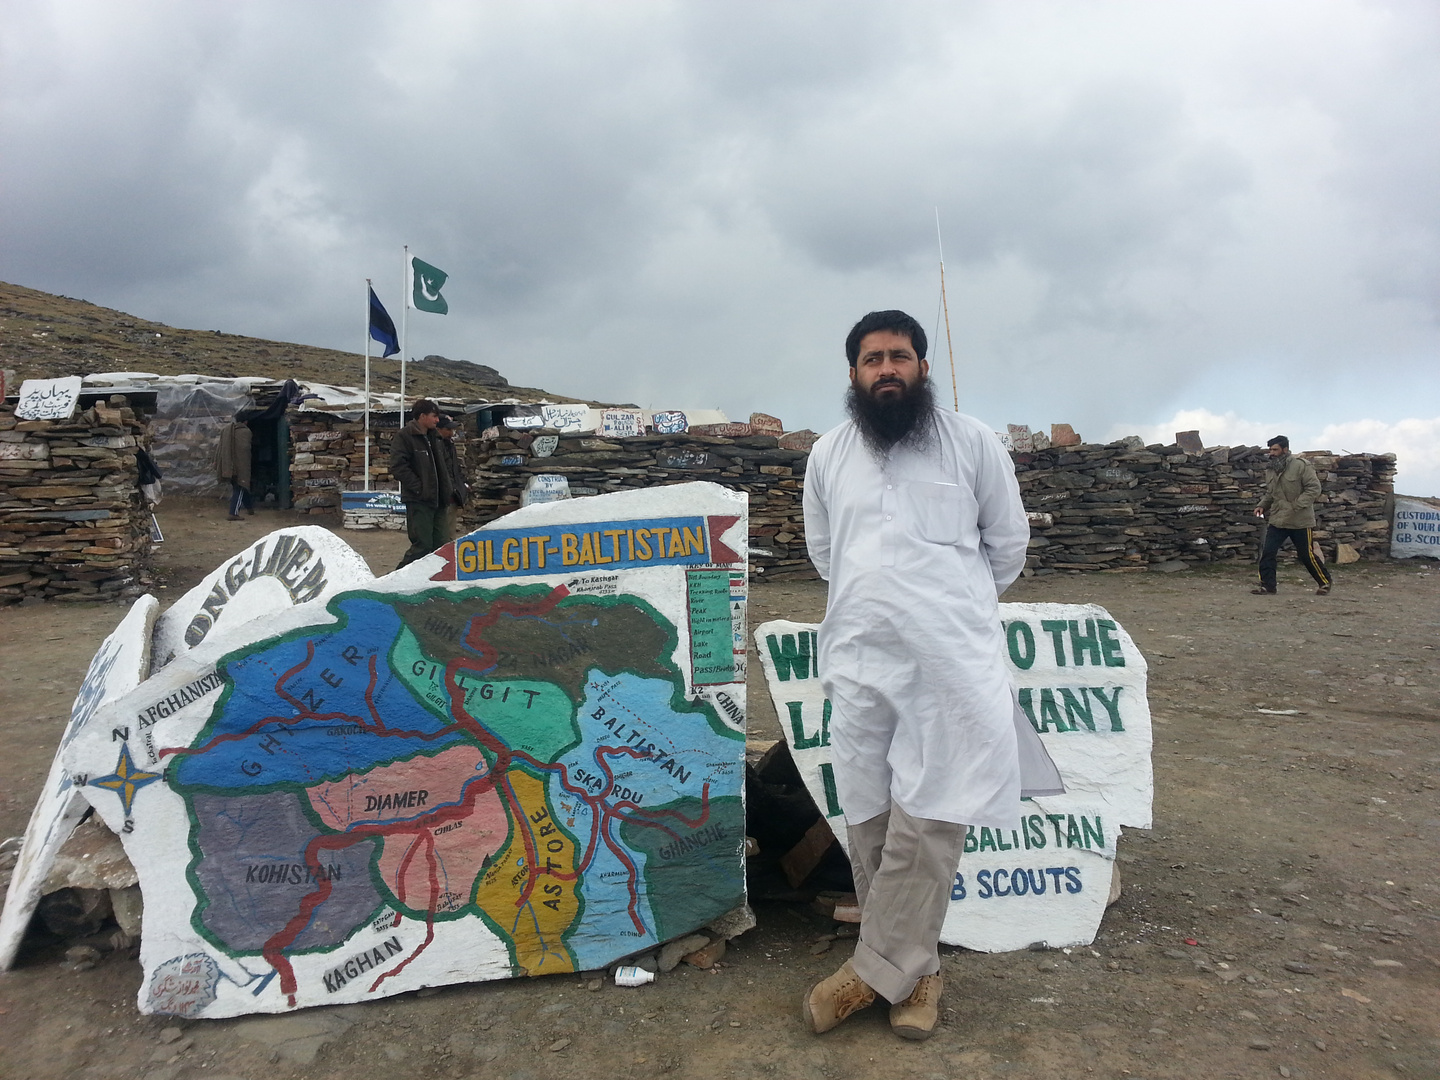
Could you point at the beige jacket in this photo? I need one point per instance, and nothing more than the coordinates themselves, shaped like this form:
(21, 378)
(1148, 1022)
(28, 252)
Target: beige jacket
(1291, 488)
(232, 454)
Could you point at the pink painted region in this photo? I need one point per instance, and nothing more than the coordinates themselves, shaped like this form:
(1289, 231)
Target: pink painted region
(419, 791)
(460, 847)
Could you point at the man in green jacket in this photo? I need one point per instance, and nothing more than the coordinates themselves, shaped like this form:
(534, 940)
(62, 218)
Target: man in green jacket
(1288, 506)
(425, 488)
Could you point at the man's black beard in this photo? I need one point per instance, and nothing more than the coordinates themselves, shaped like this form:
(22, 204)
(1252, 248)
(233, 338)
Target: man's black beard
(891, 421)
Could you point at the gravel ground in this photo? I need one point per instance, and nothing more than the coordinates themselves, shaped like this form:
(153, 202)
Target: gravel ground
(1279, 920)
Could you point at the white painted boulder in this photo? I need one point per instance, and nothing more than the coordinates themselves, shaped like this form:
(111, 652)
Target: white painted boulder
(122, 660)
(1081, 683)
(522, 754)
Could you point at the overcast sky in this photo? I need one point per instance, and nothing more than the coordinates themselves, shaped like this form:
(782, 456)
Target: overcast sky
(1156, 215)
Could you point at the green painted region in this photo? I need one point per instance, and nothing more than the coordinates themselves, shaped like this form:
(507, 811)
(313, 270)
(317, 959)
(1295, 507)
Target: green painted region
(693, 874)
(613, 634)
(534, 718)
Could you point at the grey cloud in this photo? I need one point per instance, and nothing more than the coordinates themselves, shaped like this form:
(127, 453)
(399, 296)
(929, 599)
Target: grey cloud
(689, 203)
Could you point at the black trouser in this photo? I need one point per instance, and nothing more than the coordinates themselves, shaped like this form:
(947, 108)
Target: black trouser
(239, 499)
(426, 526)
(1304, 554)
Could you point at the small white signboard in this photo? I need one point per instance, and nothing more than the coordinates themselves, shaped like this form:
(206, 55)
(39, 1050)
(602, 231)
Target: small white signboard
(545, 488)
(622, 423)
(567, 418)
(1080, 681)
(1416, 529)
(48, 399)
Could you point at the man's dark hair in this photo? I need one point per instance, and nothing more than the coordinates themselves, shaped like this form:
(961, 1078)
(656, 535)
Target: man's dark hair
(1280, 441)
(446, 421)
(423, 407)
(896, 322)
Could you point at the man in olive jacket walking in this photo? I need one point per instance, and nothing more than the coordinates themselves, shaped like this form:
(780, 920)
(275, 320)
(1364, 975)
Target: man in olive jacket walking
(1288, 506)
(425, 488)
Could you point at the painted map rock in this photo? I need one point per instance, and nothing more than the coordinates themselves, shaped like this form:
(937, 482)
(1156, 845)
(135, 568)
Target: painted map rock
(520, 755)
(1080, 682)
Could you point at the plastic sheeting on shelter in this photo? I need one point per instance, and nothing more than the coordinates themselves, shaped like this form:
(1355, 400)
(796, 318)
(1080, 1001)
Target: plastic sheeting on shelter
(185, 430)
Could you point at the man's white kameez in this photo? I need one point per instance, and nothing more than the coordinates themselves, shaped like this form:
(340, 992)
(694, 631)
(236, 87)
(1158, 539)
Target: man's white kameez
(917, 549)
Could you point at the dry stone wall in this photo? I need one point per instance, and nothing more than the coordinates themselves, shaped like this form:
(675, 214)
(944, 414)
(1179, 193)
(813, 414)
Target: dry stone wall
(328, 457)
(1120, 506)
(1125, 506)
(73, 525)
(1117, 506)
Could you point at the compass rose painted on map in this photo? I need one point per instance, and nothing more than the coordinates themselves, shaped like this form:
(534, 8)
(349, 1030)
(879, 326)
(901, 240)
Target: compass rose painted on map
(126, 780)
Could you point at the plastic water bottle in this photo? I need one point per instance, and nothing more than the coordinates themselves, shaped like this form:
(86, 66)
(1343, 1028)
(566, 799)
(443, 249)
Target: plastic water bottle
(633, 976)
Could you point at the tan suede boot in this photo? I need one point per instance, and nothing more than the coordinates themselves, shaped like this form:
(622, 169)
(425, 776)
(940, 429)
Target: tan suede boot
(832, 1000)
(915, 1017)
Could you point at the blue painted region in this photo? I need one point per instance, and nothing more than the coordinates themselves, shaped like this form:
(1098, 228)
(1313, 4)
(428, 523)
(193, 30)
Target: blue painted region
(679, 751)
(640, 716)
(332, 686)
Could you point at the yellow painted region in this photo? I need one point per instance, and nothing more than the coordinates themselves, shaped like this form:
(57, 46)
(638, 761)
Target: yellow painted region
(533, 924)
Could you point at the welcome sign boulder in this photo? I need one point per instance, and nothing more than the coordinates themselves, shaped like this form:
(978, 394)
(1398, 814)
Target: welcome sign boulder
(1080, 682)
(522, 754)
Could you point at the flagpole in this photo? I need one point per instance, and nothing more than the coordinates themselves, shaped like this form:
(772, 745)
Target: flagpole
(366, 486)
(405, 329)
(954, 386)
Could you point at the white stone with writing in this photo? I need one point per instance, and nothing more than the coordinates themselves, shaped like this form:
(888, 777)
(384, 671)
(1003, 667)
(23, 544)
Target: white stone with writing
(1416, 529)
(24, 451)
(289, 566)
(122, 660)
(622, 423)
(1080, 680)
(48, 399)
(545, 488)
(570, 419)
(479, 766)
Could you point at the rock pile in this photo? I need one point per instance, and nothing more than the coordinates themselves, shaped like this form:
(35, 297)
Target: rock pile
(324, 455)
(1120, 506)
(73, 525)
(769, 468)
(1127, 506)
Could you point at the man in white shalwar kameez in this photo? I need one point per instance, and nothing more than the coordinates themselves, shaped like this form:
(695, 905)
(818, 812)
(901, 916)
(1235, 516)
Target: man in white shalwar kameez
(913, 515)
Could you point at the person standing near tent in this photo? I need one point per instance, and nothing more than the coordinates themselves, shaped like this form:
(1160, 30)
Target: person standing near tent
(232, 465)
(913, 515)
(449, 461)
(425, 487)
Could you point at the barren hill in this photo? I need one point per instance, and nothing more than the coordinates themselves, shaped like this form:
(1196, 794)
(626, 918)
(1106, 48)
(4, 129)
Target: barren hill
(44, 336)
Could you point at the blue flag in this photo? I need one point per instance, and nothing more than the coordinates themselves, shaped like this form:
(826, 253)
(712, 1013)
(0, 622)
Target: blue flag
(382, 327)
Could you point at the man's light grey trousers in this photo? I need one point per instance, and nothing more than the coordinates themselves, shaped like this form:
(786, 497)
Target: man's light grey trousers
(904, 869)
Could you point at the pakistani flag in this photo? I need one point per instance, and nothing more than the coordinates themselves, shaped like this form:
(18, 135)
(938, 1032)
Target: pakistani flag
(426, 281)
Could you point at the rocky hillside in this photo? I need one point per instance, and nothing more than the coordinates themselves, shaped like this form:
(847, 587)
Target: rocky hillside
(43, 336)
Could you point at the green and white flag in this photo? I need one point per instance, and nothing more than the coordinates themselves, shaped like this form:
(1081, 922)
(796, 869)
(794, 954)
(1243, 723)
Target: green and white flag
(425, 281)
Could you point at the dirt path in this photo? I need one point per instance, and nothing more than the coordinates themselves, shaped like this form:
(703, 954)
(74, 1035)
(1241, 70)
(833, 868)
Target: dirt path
(1280, 919)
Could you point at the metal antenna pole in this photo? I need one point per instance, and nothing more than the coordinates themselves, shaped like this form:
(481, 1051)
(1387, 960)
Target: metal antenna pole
(366, 485)
(954, 384)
